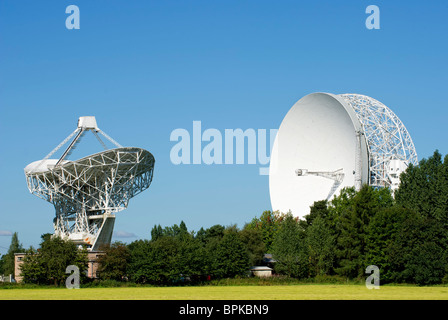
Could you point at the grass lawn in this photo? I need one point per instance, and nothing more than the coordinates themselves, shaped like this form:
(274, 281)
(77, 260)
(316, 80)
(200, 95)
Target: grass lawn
(273, 292)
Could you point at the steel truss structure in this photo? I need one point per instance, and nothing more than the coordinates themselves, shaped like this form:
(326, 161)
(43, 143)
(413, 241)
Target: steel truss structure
(87, 193)
(390, 147)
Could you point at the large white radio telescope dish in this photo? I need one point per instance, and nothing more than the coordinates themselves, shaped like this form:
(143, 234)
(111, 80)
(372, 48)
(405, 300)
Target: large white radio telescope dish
(87, 193)
(327, 142)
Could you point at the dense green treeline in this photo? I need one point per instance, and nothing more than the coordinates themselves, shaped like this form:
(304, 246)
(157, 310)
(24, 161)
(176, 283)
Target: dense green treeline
(405, 235)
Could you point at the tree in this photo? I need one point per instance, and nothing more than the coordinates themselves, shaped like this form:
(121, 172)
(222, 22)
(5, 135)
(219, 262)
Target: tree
(352, 223)
(156, 232)
(339, 205)
(141, 262)
(49, 262)
(321, 245)
(173, 231)
(256, 247)
(32, 269)
(210, 239)
(268, 223)
(419, 251)
(190, 258)
(211, 236)
(215, 231)
(424, 188)
(173, 255)
(319, 209)
(289, 250)
(114, 262)
(153, 261)
(231, 257)
(9, 259)
(382, 233)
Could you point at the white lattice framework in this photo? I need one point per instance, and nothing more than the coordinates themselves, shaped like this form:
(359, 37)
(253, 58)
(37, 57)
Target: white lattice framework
(387, 138)
(87, 193)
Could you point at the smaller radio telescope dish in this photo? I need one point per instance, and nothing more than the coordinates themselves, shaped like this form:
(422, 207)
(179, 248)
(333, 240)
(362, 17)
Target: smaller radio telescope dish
(327, 142)
(87, 193)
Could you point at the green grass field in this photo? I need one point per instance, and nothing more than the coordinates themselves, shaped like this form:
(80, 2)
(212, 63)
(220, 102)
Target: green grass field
(285, 292)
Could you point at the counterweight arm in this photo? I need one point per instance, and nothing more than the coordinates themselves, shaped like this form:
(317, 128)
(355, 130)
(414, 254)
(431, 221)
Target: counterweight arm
(337, 176)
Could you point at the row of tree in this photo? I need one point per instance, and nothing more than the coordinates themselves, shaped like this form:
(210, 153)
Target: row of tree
(173, 255)
(405, 235)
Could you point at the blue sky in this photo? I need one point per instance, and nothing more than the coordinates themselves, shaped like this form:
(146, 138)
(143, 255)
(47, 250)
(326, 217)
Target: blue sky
(145, 68)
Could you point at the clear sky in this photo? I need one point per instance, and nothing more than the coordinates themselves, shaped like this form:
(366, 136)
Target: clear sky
(146, 68)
